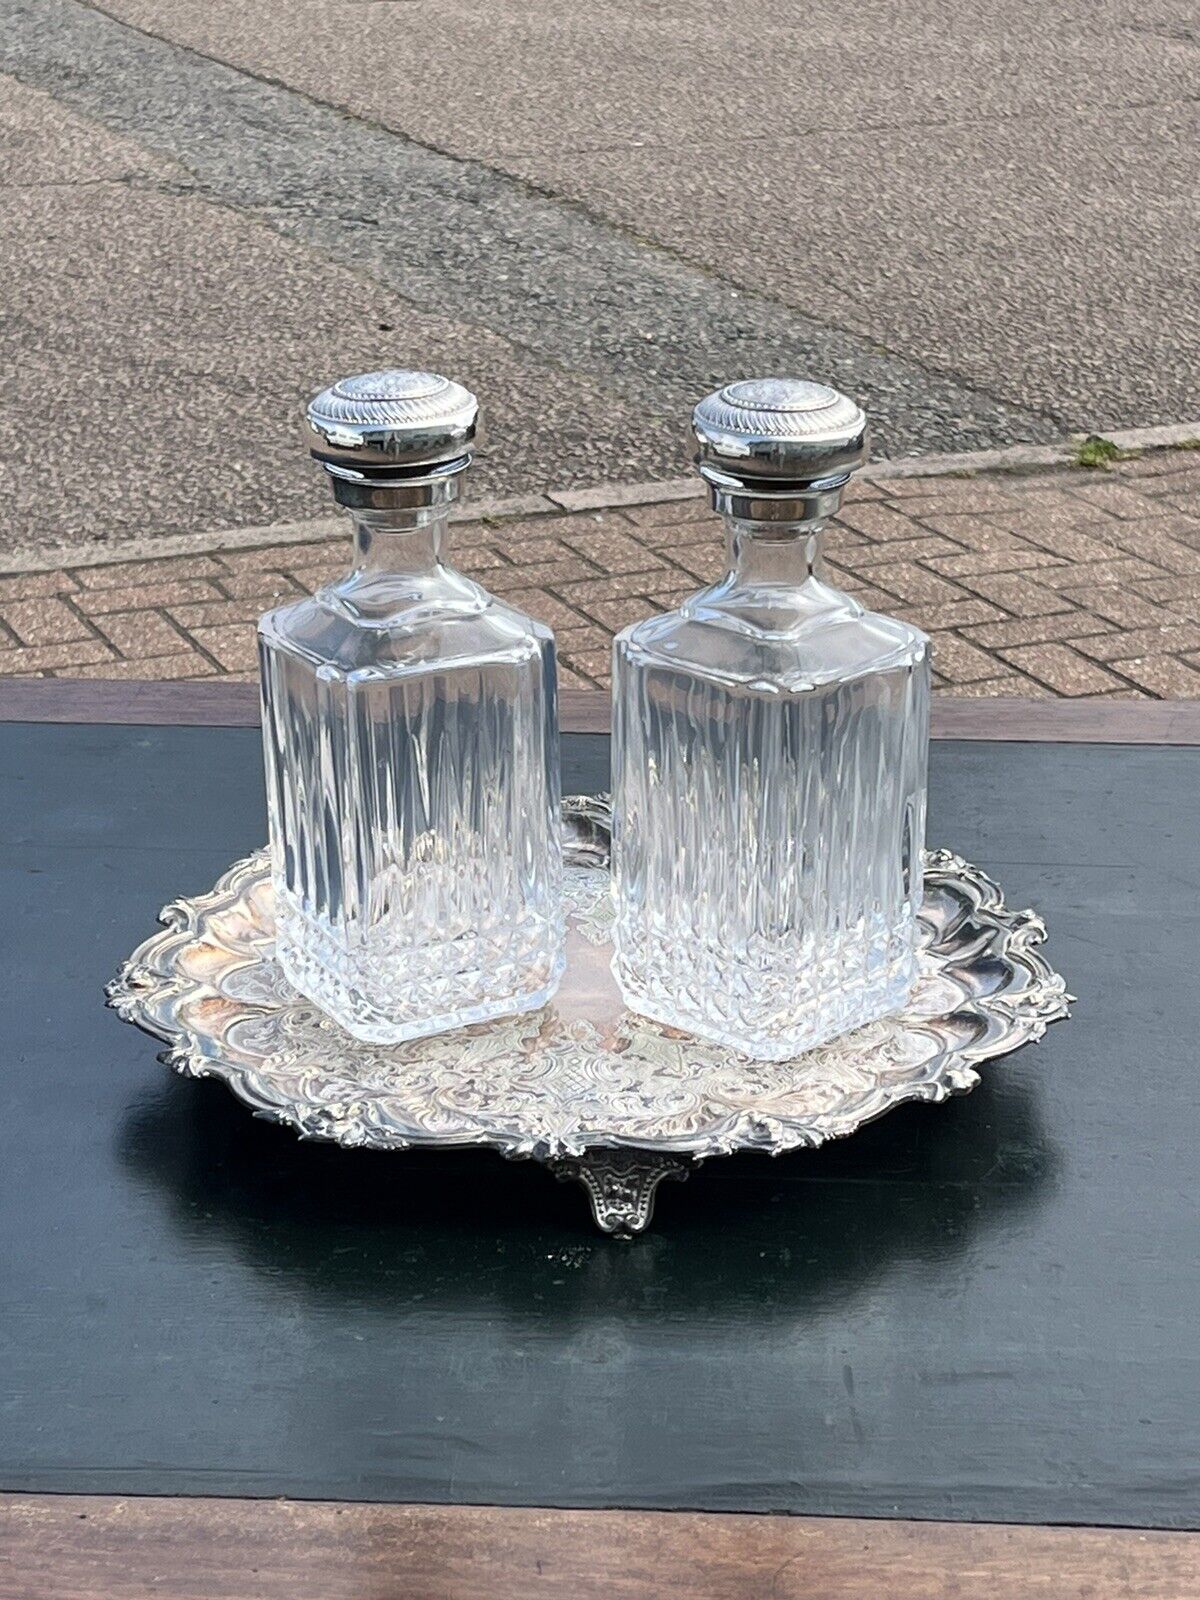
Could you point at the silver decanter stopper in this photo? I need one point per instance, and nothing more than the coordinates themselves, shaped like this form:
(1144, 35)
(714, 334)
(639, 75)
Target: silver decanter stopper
(408, 431)
(778, 449)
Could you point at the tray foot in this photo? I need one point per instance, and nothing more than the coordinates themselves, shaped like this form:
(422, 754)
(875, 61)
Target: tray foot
(620, 1185)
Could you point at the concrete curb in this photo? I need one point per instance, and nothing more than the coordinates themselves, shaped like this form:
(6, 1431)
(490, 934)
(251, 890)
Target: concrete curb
(151, 547)
(602, 497)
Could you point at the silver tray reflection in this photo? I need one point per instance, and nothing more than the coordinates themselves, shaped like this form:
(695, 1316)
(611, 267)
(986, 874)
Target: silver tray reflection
(596, 1093)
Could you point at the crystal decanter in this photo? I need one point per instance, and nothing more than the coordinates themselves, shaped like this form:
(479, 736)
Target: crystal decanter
(411, 739)
(769, 747)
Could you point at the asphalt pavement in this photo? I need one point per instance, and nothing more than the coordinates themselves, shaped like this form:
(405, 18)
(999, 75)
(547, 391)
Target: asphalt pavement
(981, 220)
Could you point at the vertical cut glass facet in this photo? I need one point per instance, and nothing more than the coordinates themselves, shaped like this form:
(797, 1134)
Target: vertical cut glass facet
(769, 801)
(410, 730)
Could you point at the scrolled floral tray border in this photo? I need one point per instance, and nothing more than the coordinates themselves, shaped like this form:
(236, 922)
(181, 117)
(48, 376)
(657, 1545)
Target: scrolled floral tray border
(597, 1094)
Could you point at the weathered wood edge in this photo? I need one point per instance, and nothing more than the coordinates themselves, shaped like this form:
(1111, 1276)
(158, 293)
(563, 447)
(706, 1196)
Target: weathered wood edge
(235, 705)
(217, 704)
(110, 1548)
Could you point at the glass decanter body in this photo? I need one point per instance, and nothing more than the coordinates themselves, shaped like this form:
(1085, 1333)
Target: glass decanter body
(770, 742)
(410, 731)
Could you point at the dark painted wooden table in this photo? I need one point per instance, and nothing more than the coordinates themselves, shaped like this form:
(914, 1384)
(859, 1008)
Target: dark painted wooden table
(981, 1313)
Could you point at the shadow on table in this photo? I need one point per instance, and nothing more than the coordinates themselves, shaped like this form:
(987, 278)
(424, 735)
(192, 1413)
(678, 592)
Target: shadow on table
(794, 1234)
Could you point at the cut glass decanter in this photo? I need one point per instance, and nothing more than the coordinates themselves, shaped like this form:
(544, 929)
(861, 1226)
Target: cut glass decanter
(411, 739)
(769, 747)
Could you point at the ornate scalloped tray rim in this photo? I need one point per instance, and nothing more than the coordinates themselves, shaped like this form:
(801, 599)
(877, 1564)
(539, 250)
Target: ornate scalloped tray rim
(1003, 1022)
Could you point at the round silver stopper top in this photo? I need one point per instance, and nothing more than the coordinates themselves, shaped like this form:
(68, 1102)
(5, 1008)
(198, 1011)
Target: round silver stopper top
(786, 430)
(392, 421)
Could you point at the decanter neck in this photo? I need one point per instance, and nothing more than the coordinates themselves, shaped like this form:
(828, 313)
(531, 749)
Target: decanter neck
(398, 577)
(772, 554)
(398, 540)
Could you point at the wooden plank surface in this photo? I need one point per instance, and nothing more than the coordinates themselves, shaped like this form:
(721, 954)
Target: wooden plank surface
(1068, 721)
(91, 1548)
(235, 705)
(220, 704)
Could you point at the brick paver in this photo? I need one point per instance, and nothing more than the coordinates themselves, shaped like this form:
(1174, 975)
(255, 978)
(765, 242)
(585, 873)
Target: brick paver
(1057, 582)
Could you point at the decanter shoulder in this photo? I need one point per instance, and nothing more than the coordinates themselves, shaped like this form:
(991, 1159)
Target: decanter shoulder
(338, 643)
(829, 645)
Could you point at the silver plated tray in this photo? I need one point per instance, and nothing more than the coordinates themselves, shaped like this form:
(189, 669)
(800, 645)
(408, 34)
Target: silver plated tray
(597, 1094)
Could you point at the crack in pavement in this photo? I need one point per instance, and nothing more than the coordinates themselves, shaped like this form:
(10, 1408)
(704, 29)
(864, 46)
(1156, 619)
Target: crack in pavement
(797, 135)
(128, 180)
(461, 240)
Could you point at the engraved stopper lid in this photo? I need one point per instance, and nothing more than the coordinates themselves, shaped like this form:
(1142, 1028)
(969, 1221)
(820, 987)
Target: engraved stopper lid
(392, 425)
(786, 430)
